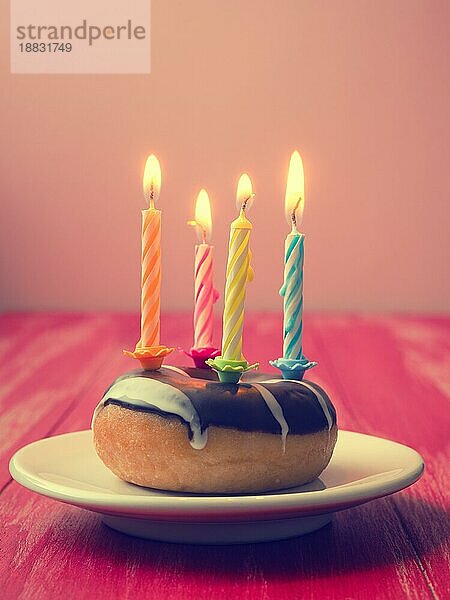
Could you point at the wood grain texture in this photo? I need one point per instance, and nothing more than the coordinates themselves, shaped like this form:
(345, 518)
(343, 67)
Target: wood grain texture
(386, 375)
(47, 364)
(407, 400)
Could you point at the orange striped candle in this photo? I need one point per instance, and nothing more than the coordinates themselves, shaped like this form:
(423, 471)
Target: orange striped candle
(148, 349)
(151, 257)
(150, 278)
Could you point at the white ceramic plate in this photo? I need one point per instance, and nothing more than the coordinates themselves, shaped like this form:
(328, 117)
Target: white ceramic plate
(66, 468)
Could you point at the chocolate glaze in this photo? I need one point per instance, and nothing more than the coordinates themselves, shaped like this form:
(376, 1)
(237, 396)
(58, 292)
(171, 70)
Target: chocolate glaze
(305, 406)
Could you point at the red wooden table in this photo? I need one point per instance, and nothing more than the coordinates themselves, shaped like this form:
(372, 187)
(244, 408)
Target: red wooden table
(388, 376)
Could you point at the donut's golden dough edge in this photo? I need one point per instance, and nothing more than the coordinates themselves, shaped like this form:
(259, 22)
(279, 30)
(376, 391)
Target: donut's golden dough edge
(154, 451)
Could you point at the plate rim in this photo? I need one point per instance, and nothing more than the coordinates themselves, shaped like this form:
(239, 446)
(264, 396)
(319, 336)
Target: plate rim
(283, 505)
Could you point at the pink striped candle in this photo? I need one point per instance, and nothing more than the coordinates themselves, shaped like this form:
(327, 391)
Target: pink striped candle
(205, 295)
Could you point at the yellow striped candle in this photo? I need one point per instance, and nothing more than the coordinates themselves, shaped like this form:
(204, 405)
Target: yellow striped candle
(239, 272)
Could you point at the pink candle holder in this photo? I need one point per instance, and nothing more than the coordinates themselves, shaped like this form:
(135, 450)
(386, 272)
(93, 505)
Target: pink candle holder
(201, 355)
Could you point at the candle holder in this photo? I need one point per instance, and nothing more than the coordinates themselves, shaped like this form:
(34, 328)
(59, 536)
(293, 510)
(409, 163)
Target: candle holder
(200, 356)
(151, 358)
(230, 371)
(293, 369)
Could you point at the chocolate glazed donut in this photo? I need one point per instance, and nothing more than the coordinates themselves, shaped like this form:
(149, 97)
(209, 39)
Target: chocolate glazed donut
(181, 430)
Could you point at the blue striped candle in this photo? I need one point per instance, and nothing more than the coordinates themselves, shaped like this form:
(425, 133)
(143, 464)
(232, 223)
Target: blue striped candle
(293, 363)
(292, 292)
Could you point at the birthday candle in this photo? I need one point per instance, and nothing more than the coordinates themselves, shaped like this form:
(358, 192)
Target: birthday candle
(151, 257)
(204, 294)
(292, 290)
(239, 272)
(293, 363)
(148, 350)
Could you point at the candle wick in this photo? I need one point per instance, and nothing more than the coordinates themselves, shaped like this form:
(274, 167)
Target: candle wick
(294, 219)
(200, 227)
(149, 196)
(245, 202)
(294, 214)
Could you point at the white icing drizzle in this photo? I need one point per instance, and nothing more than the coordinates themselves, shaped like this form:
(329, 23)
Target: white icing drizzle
(322, 402)
(176, 369)
(318, 395)
(275, 409)
(163, 396)
(169, 399)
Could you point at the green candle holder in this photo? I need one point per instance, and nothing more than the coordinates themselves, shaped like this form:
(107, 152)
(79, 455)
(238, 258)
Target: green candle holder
(230, 371)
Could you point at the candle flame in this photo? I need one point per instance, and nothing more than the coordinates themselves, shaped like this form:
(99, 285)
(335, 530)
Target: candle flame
(151, 182)
(295, 191)
(244, 194)
(203, 220)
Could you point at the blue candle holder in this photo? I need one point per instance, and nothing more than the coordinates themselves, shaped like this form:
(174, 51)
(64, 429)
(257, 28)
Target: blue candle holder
(293, 368)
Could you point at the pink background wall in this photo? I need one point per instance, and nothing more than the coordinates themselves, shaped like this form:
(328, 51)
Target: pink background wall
(360, 87)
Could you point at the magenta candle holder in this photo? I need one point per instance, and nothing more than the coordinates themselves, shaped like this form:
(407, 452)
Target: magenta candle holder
(201, 355)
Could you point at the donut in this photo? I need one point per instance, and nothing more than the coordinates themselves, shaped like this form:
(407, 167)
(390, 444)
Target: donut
(182, 430)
